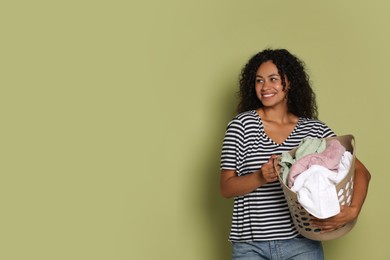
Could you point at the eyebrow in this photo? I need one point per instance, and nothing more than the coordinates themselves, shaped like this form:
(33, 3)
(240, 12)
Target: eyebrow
(271, 75)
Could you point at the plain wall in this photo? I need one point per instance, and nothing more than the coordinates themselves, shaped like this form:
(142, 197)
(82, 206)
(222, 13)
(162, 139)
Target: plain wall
(113, 115)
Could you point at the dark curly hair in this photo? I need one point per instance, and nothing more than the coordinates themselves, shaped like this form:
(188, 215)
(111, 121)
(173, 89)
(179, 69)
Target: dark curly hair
(301, 100)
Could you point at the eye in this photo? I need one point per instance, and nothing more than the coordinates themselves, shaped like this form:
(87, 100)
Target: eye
(274, 79)
(259, 81)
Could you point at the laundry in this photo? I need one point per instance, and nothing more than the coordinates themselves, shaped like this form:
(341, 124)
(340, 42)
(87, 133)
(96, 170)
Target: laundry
(310, 146)
(307, 146)
(329, 158)
(316, 188)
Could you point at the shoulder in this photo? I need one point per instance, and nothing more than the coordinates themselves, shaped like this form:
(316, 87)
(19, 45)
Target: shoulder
(244, 122)
(317, 127)
(311, 121)
(245, 117)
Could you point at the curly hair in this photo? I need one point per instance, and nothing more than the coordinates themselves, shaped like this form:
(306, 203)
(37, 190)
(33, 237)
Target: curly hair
(301, 100)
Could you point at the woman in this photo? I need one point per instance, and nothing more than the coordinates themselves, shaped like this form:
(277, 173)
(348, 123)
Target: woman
(277, 110)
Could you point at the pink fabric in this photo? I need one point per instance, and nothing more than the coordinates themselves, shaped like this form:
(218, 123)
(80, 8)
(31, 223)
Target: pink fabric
(330, 158)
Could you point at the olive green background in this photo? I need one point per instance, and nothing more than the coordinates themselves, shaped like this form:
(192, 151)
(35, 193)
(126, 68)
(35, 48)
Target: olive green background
(113, 114)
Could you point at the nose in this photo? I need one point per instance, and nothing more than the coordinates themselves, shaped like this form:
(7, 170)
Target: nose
(265, 85)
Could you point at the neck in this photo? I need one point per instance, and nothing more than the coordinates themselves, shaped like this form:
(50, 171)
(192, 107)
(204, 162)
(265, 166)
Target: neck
(276, 115)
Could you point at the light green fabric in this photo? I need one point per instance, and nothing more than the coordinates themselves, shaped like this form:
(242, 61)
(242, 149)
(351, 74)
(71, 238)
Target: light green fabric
(307, 146)
(286, 161)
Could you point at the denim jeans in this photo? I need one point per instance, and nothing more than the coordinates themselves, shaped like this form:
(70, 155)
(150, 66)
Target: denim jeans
(298, 248)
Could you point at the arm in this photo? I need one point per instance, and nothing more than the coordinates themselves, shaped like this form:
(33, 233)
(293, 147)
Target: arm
(351, 213)
(362, 179)
(232, 185)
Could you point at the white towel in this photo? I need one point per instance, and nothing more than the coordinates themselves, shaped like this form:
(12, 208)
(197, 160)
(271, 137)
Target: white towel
(316, 188)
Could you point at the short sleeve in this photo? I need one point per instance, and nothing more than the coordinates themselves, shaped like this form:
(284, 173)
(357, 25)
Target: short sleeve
(326, 131)
(232, 144)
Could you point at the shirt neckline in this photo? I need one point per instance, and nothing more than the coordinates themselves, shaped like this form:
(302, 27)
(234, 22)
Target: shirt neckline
(262, 131)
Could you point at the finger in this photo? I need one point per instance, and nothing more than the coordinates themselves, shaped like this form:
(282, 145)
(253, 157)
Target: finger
(269, 163)
(331, 228)
(272, 159)
(327, 230)
(319, 223)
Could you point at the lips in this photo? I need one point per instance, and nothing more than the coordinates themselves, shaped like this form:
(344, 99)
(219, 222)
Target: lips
(268, 95)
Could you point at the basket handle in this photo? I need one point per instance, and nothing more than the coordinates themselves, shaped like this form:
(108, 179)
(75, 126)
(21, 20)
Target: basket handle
(276, 163)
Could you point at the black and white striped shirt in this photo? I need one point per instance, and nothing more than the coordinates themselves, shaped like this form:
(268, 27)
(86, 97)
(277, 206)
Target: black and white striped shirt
(262, 214)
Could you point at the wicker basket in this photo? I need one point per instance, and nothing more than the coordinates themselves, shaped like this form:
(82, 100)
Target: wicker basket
(301, 217)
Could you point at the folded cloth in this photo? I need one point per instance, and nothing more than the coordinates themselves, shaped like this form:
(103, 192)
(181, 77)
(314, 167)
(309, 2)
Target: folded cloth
(316, 188)
(329, 158)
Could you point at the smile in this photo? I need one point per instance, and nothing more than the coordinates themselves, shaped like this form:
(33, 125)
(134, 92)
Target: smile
(268, 95)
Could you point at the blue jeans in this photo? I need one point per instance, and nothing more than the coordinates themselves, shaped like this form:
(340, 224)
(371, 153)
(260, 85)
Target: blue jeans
(298, 248)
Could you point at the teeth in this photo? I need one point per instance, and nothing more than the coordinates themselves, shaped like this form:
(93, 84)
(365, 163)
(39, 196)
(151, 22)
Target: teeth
(268, 95)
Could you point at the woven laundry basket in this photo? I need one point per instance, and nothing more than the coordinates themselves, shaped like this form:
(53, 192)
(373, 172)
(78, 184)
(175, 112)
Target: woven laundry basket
(344, 188)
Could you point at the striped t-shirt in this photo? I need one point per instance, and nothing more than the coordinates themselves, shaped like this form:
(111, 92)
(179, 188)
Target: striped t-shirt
(262, 214)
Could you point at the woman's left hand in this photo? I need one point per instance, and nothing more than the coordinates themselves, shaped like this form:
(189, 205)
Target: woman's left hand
(346, 215)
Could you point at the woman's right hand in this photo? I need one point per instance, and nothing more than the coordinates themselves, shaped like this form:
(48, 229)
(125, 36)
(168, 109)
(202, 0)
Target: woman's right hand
(268, 170)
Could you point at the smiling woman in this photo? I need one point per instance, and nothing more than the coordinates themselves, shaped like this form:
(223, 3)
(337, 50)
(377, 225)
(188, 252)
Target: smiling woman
(277, 110)
(269, 87)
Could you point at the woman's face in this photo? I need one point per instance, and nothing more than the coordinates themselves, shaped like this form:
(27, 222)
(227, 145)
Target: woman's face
(269, 88)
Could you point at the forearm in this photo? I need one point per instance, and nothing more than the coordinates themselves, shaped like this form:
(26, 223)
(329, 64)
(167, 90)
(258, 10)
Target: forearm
(361, 182)
(232, 185)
